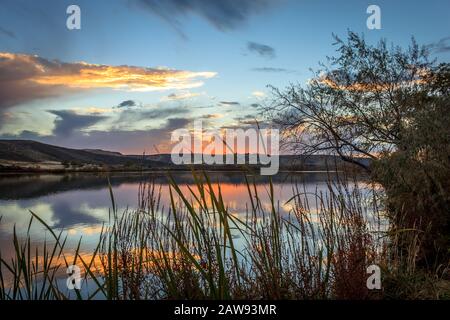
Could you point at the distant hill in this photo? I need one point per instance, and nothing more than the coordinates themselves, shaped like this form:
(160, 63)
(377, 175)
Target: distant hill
(294, 162)
(27, 151)
(32, 151)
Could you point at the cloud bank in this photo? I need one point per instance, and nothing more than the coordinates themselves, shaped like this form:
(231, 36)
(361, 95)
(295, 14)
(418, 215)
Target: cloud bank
(68, 122)
(26, 78)
(128, 142)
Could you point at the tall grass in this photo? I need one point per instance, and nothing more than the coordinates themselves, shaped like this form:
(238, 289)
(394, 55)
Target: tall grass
(198, 248)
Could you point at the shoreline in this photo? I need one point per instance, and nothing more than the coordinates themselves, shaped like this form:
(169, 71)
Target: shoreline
(159, 170)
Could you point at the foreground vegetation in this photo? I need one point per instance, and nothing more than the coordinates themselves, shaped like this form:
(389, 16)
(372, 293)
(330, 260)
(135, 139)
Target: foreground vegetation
(387, 105)
(199, 249)
(390, 105)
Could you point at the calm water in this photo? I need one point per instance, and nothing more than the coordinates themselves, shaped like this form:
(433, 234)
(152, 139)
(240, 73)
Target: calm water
(80, 203)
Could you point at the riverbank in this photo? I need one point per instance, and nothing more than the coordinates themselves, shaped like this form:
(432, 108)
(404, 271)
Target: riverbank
(17, 167)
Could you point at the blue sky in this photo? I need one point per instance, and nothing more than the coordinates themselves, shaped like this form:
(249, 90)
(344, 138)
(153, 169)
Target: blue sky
(209, 40)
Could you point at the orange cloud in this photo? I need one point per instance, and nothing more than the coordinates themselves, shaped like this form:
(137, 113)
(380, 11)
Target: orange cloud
(28, 77)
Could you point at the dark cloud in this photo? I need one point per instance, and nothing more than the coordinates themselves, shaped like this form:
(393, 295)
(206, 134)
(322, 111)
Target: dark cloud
(176, 123)
(443, 45)
(261, 49)
(128, 142)
(272, 70)
(230, 103)
(15, 92)
(68, 130)
(7, 33)
(163, 113)
(132, 116)
(224, 14)
(127, 103)
(24, 135)
(68, 121)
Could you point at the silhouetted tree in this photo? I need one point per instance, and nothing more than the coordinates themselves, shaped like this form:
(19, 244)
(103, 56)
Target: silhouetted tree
(391, 106)
(358, 104)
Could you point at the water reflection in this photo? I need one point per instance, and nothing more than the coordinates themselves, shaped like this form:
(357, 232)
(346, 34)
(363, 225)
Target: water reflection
(80, 203)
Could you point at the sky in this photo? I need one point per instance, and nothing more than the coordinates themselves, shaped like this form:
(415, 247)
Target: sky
(139, 69)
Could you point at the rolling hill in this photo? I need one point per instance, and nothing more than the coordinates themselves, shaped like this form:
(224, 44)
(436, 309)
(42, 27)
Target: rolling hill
(36, 152)
(17, 152)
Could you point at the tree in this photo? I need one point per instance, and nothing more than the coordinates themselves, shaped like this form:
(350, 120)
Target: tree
(416, 177)
(358, 105)
(391, 106)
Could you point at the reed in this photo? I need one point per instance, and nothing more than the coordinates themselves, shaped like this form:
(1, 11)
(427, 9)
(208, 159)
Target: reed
(200, 249)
